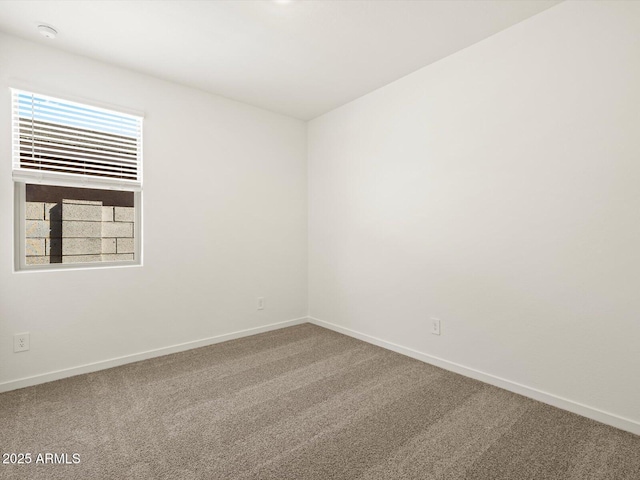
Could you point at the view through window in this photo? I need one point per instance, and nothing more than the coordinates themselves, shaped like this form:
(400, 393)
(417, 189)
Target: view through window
(76, 225)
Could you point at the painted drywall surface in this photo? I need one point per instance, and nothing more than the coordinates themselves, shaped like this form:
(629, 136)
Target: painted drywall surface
(224, 222)
(498, 191)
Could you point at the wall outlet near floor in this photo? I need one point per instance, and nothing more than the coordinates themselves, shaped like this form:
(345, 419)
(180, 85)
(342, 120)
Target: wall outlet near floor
(435, 326)
(260, 303)
(21, 342)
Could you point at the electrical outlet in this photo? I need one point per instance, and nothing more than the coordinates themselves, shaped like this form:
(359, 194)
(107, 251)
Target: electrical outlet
(435, 326)
(260, 303)
(21, 342)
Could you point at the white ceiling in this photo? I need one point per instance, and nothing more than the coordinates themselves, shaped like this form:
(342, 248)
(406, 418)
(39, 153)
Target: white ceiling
(301, 58)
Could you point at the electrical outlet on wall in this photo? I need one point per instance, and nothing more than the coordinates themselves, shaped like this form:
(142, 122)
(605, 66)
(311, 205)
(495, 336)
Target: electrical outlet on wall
(21, 342)
(435, 326)
(260, 303)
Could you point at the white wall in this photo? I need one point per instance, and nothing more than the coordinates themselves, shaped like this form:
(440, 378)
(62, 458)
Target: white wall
(225, 206)
(499, 190)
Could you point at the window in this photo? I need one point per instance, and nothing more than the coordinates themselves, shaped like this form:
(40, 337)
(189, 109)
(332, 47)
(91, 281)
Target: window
(77, 171)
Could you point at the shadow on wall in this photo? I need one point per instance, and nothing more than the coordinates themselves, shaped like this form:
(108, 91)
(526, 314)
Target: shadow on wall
(52, 194)
(55, 249)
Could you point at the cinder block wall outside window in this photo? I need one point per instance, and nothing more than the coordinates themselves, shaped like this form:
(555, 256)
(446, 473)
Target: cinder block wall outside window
(74, 230)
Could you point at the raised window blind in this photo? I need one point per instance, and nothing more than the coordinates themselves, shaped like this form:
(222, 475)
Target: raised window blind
(60, 142)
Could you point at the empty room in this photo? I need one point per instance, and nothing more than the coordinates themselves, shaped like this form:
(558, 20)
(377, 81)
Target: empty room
(320, 239)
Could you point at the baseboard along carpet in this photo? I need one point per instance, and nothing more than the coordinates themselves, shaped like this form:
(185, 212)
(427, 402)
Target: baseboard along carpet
(300, 403)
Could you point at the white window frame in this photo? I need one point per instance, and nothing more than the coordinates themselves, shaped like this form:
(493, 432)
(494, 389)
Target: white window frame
(20, 241)
(20, 201)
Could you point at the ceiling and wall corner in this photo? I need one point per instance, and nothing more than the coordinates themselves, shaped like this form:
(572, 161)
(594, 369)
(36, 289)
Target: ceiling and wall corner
(302, 58)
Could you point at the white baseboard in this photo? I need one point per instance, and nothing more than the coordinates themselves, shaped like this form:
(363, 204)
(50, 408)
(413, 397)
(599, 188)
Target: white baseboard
(545, 397)
(136, 357)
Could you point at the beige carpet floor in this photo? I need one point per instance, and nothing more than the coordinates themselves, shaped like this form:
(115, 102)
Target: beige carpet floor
(301, 403)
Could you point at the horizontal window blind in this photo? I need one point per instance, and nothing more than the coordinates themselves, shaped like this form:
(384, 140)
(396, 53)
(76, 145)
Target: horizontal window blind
(66, 143)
